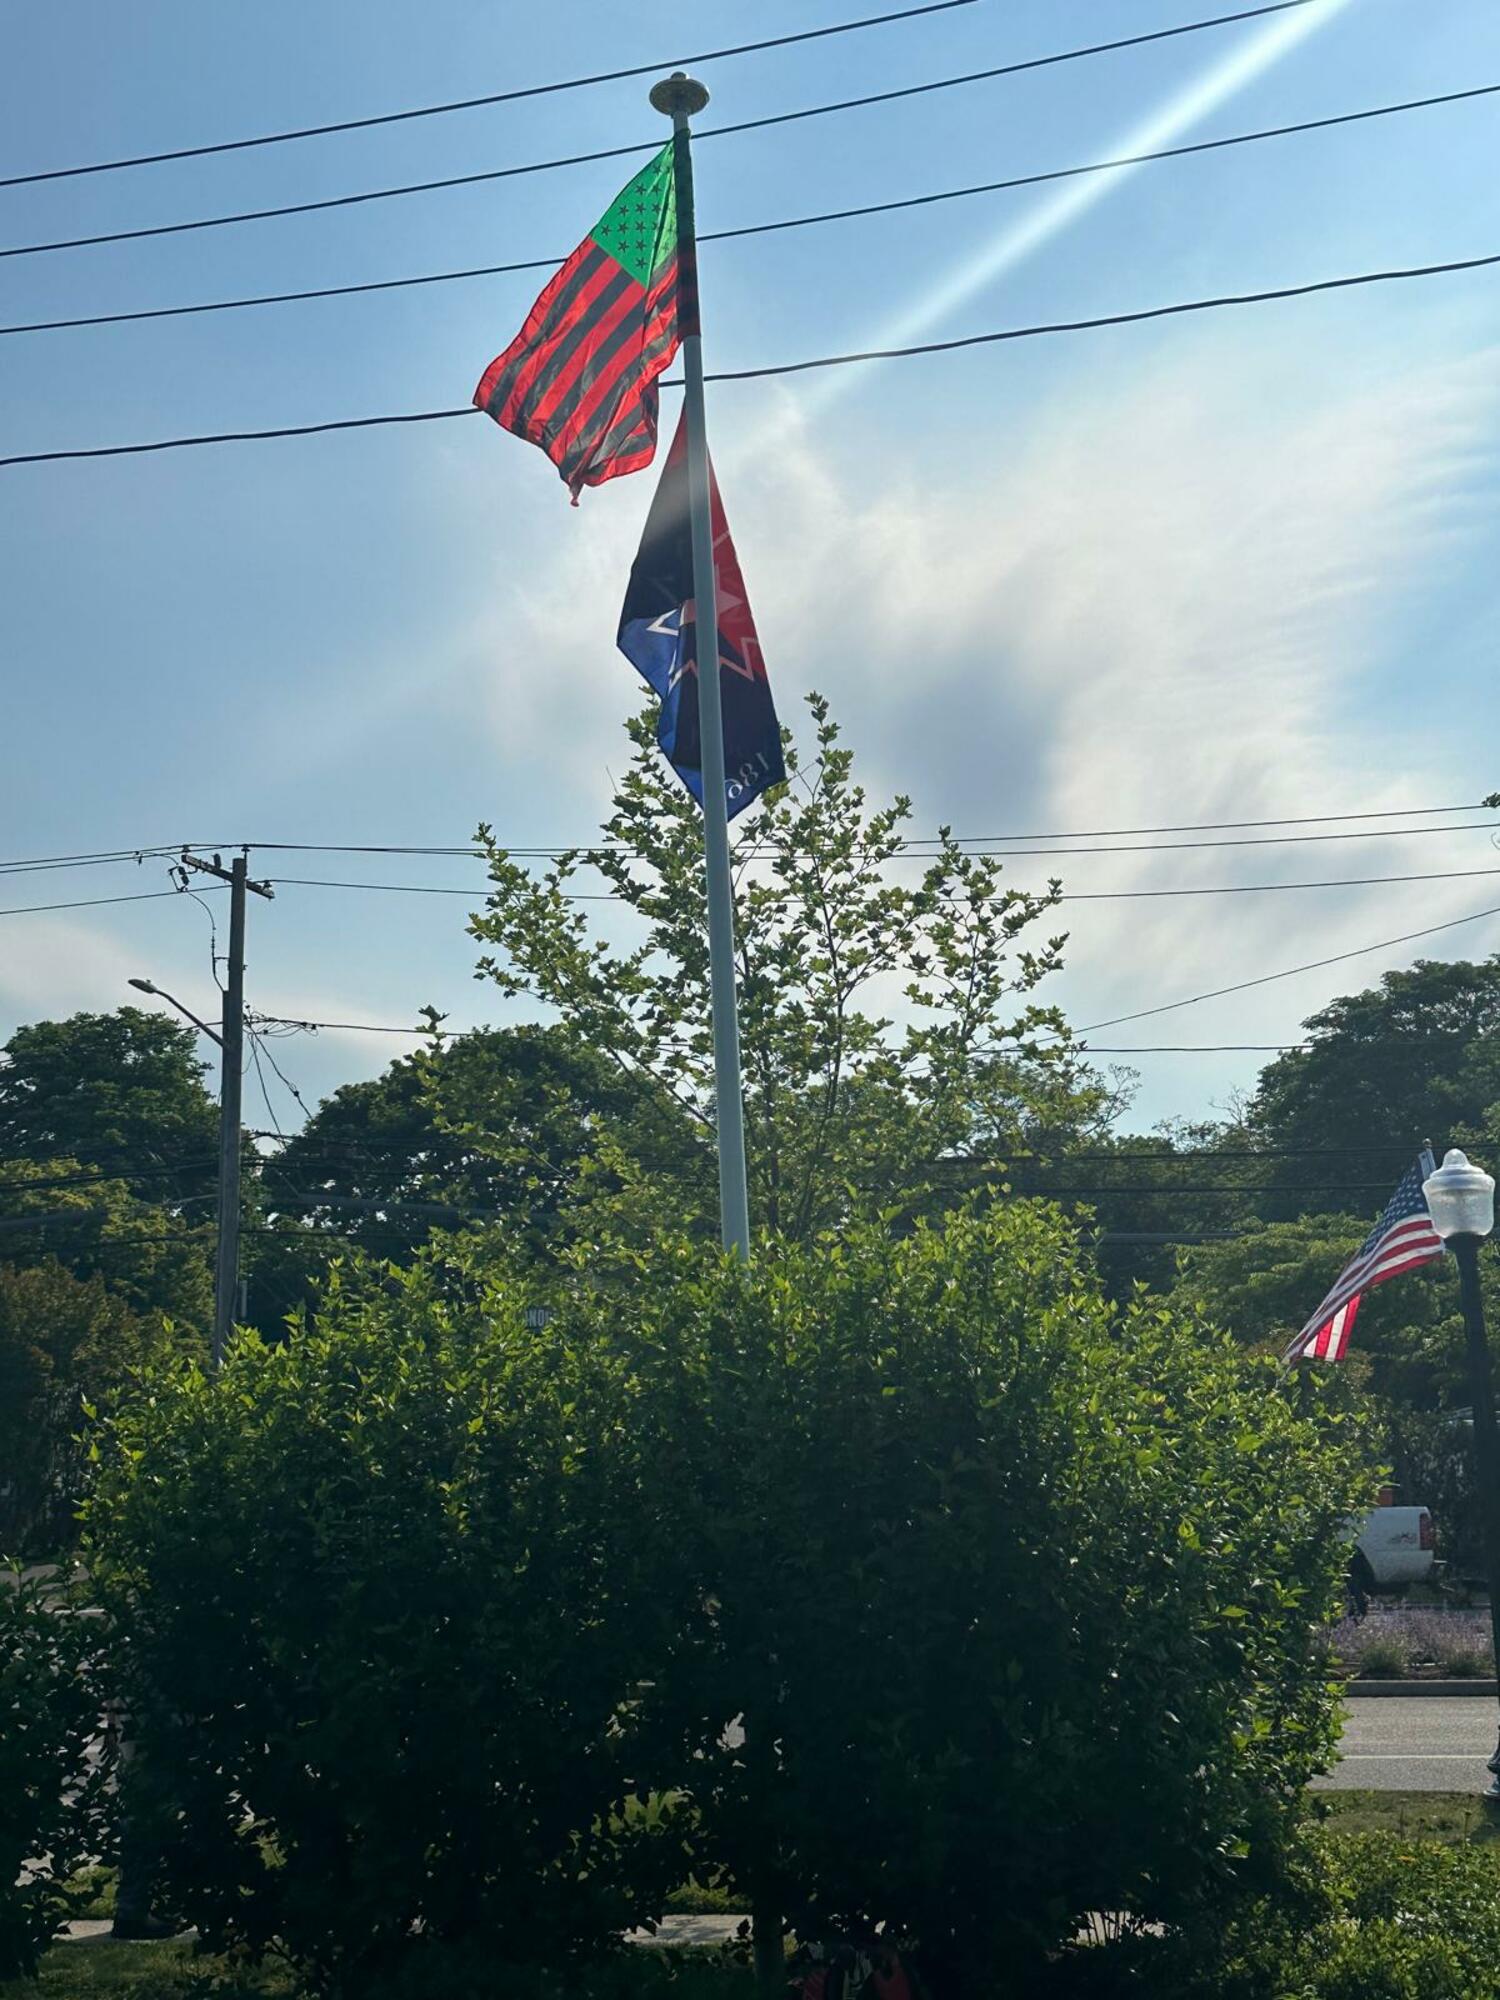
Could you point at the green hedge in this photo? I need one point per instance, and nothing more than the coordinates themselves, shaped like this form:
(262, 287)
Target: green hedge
(1363, 1916)
(435, 1624)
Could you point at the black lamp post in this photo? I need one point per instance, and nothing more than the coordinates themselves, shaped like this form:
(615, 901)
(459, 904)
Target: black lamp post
(1461, 1202)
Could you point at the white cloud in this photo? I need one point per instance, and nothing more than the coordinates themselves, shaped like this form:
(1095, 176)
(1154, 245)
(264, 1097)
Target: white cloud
(1172, 592)
(60, 965)
(1162, 599)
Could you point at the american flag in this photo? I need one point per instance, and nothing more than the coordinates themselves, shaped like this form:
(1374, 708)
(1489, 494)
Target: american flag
(1402, 1239)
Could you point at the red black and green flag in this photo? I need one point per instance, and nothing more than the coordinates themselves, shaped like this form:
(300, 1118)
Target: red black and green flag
(579, 379)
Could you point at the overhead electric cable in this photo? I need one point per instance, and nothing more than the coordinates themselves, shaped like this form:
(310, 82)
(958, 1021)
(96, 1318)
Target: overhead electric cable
(796, 367)
(1268, 888)
(1234, 825)
(475, 103)
(1196, 1049)
(1176, 1188)
(653, 145)
(1103, 319)
(1291, 971)
(89, 902)
(98, 857)
(763, 228)
(912, 850)
(480, 889)
(171, 848)
(357, 1027)
(163, 1170)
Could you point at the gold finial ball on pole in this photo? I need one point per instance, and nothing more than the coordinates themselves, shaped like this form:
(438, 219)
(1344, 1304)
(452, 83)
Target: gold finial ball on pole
(679, 95)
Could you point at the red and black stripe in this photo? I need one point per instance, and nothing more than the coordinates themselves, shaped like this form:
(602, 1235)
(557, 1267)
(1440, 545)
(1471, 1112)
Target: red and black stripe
(579, 379)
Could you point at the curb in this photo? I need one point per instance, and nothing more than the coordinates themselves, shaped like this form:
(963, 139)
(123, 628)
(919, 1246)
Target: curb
(1357, 1690)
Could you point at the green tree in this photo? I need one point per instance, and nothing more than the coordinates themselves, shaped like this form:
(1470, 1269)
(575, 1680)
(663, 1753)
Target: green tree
(886, 1014)
(55, 1805)
(157, 1260)
(1138, 1195)
(1408, 1340)
(121, 1093)
(1417, 1056)
(494, 1124)
(1407, 1350)
(67, 1346)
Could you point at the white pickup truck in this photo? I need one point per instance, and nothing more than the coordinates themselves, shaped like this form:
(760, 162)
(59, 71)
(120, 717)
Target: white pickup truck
(1397, 1547)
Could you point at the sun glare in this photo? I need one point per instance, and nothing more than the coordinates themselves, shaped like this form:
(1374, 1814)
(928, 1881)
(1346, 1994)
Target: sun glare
(1000, 253)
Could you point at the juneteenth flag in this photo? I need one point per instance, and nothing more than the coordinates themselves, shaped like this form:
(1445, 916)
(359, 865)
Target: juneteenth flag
(658, 635)
(579, 379)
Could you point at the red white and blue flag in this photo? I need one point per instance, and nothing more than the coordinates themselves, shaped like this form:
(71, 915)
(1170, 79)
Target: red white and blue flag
(1403, 1239)
(658, 635)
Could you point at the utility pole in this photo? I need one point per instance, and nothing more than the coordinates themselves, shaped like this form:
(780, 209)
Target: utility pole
(231, 1073)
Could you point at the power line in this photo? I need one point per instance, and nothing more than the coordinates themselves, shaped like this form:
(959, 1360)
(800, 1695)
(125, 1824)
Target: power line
(1291, 971)
(165, 1170)
(98, 857)
(914, 851)
(327, 1147)
(1068, 896)
(1233, 825)
(287, 1085)
(762, 228)
(336, 201)
(1194, 1156)
(359, 1027)
(1174, 1188)
(1106, 319)
(89, 902)
(241, 437)
(475, 103)
(978, 843)
(911, 853)
(652, 145)
(802, 367)
(1199, 1049)
(1266, 888)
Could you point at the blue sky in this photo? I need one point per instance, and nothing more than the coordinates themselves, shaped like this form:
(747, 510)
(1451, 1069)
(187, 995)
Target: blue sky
(1224, 567)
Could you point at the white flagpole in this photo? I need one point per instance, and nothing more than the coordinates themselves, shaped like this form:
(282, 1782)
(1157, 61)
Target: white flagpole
(679, 96)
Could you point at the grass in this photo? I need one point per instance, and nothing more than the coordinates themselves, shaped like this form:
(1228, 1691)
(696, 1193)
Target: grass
(96, 1968)
(97, 1887)
(101, 1970)
(1457, 1819)
(693, 1900)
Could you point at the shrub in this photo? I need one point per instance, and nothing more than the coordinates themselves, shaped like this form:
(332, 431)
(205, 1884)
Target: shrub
(1358, 1917)
(53, 1804)
(383, 1646)
(1390, 1644)
(1016, 1591)
(1460, 1662)
(1384, 1659)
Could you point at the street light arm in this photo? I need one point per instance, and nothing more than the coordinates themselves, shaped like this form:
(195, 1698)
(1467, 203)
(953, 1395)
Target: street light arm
(160, 993)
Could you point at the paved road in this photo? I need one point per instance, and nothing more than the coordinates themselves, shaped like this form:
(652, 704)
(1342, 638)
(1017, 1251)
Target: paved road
(1416, 1743)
